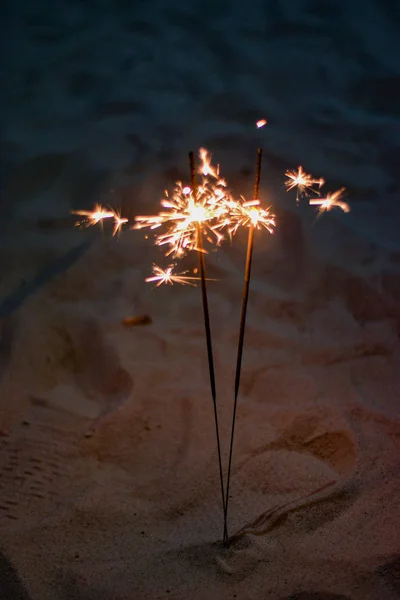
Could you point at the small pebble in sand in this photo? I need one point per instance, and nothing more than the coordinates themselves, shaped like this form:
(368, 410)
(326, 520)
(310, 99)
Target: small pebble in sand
(139, 320)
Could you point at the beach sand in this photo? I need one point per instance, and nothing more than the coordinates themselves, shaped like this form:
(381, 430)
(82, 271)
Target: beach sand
(109, 483)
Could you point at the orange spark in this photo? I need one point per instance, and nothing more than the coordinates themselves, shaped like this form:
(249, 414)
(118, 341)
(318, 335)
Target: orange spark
(166, 276)
(330, 201)
(245, 213)
(206, 168)
(184, 214)
(303, 182)
(261, 123)
(118, 222)
(95, 216)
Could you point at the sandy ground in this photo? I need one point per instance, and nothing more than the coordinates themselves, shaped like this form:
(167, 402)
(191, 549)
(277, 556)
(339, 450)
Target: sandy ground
(109, 483)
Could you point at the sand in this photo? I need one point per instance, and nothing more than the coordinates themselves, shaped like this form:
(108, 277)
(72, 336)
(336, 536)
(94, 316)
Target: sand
(109, 484)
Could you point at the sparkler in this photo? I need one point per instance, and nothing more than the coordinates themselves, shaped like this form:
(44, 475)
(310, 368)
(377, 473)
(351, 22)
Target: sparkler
(205, 211)
(188, 206)
(303, 182)
(248, 214)
(190, 214)
(207, 324)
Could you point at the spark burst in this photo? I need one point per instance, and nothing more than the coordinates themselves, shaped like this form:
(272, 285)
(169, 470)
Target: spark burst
(245, 214)
(303, 182)
(118, 223)
(183, 212)
(92, 217)
(161, 276)
(98, 215)
(330, 201)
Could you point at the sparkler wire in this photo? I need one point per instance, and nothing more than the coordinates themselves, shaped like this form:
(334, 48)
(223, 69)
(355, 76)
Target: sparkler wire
(207, 326)
(245, 298)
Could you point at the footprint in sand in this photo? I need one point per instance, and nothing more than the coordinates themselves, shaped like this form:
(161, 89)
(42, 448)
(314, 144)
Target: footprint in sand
(94, 367)
(96, 364)
(41, 467)
(313, 434)
(324, 447)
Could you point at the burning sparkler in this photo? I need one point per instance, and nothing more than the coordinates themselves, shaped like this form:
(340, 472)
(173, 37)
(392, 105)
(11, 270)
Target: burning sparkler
(189, 214)
(303, 182)
(186, 208)
(215, 200)
(206, 209)
(251, 215)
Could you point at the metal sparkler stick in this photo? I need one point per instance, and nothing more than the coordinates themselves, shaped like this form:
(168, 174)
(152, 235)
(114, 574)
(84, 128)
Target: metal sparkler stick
(207, 325)
(245, 297)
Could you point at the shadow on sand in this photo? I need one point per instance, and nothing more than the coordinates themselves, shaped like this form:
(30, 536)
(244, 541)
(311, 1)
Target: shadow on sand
(11, 587)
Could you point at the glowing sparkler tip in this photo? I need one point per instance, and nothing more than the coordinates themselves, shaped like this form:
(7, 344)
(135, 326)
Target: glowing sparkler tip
(182, 213)
(206, 167)
(198, 213)
(260, 123)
